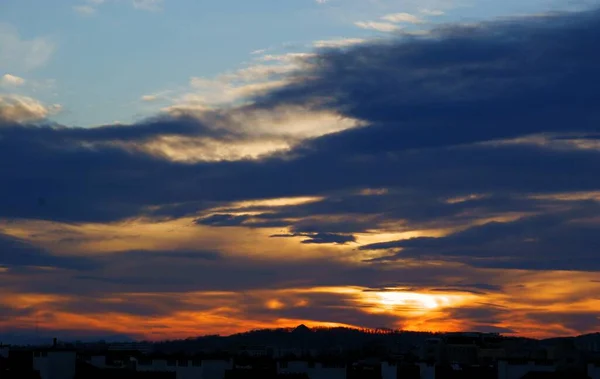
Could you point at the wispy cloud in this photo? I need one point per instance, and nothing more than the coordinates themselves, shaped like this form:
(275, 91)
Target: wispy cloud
(337, 43)
(287, 57)
(148, 5)
(86, 10)
(24, 109)
(432, 12)
(20, 54)
(267, 73)
(379, 26)
(90, 7)
(149, 98)
(391, 22)
(9, 80)
(403, 18)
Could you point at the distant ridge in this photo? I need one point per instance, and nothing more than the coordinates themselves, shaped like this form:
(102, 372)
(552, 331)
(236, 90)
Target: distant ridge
(320, 338)
(326, 335)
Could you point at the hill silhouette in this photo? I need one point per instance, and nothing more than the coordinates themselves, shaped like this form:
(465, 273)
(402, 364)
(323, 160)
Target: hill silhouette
(329, 340)
(302, 337)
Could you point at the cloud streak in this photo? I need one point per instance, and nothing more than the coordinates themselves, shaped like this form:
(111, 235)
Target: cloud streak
(378, 26)
(16, 108)
(17, 53)
(9, 80)
(148, 5)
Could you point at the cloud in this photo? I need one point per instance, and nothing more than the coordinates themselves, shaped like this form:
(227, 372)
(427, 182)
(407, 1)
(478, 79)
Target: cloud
(390, 22)
(402, 18)
(445, 79)
(288, 57)
(9, 80)
(338, 43)
(15, 252)
(197, 283)
(149, 98)
(186, 255)
(320, 238)
(573, 322)
(209, 92)
(86, 10)
(24, 109)
(240, 85)
(368, 211)
(400, 134)
(233, 88)
(379, 26)
(22, 54)
(90, 7)
(223, 219)
(148, 5)
(257, 132)
(554, 240)
(136, 147)
(432, 12)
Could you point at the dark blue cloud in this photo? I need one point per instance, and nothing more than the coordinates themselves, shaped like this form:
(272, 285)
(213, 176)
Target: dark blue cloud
(16, 253)
(580, 322)
(461, 84)
(354, 213)
(172, 254)
(169, 272)
(221, 219)
(485, 314)
(554, 240)
(437, 110)
(52, 134)
(224, 219)
(320, 238)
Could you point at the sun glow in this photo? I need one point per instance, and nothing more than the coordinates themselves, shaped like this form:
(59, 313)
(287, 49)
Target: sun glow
(408, 299)
(394, 301)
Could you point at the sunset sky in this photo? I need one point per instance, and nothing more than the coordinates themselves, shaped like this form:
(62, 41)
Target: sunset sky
(172, 168)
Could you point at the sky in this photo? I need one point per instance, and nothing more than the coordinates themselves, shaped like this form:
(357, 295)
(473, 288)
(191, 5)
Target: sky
(179, 167)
